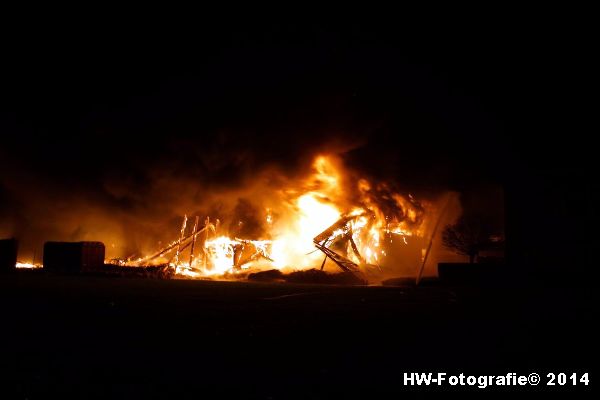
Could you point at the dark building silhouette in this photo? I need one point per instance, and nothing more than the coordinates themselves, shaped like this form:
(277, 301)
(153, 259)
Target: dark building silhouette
(8, 254)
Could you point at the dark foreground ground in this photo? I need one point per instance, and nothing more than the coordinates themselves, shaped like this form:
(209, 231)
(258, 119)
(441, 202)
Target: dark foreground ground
(116, 337)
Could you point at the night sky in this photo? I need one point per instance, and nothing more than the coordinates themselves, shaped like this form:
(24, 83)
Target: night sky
(92, 119)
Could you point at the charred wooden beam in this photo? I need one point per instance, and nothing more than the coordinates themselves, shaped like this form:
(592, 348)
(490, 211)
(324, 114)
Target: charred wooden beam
(324, 238)
(355, 249)
(341, 261)
(193, 241)
(174, 244)
(183, 248)
(327, 233)
(323, 264)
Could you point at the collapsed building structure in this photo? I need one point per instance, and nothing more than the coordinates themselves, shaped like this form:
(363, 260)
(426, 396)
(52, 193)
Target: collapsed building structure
(324, 219)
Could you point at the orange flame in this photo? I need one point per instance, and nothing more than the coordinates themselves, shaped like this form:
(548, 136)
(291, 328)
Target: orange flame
(314, 204)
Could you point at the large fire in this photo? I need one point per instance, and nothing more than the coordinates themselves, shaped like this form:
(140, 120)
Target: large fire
(349, 220)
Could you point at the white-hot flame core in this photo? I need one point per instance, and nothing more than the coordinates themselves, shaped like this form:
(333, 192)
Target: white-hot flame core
(295, 239)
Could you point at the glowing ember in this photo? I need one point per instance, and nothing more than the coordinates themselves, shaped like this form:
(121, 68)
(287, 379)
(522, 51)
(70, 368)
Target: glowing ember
(27, 265)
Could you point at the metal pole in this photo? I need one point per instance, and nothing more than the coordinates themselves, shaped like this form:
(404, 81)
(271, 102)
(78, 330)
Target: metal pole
(437, 224)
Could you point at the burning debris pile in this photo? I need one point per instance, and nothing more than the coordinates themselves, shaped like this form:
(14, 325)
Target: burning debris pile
(328, 218)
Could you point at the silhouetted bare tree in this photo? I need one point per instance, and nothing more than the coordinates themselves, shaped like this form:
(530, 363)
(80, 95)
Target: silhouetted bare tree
(468, 236)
